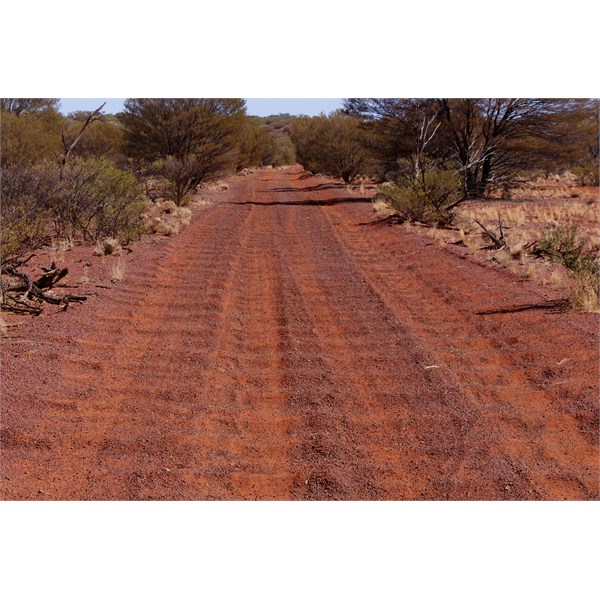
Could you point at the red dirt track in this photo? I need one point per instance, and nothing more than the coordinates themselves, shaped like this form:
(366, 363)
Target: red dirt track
(285, 347)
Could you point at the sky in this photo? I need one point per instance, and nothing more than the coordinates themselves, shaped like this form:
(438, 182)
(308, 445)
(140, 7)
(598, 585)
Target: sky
(261, 107)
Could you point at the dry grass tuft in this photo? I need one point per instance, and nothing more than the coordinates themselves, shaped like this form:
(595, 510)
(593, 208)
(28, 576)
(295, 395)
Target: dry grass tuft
(434, 233)
(168, 207)
(184, 215)
(584, 294)
(61, 245)
(382, 208)
(215, 186)
(166, 218)
(517, 251)
(503, 258)
(171, 229)
(556, 279)
(515, 215)
(117, 273)
(3, 328)
(108, 246)
(530, 273)
(84, 279)
(468, 239)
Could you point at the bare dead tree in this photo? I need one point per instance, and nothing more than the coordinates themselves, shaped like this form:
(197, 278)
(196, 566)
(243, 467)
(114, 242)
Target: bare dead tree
(68, 147)
(426, 126)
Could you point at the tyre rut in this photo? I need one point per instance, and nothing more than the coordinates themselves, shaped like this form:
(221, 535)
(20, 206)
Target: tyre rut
(278, 349)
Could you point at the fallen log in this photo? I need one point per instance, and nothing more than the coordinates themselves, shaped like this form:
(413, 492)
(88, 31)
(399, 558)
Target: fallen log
(18, 297)
(51, 277)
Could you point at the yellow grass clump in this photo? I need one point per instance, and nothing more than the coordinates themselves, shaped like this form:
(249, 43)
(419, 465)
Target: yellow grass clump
(166, 218)
(108, 246)
(584, 294)
(117, 273)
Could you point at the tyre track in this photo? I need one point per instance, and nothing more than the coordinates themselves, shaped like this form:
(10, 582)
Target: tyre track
(435, 294)
(277, 349)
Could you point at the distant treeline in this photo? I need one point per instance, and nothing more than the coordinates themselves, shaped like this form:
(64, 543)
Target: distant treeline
(81, 174)
(486, 142)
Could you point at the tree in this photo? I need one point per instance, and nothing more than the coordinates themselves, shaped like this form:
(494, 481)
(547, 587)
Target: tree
(103, 137)
(494, 138)
(69, 144)
(333, 145)
(578, 139)
(29, 105)
(255, 147)
(30, 137)
(488, 140)
(196, 136)
(281, 149)
(398, 129)
(346, 156)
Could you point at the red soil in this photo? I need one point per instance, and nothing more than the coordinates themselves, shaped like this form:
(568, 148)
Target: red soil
(284, 347)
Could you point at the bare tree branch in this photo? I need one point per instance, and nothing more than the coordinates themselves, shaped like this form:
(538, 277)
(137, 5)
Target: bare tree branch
(68, 147)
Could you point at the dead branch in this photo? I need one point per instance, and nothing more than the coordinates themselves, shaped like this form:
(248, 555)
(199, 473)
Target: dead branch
(68, 147)
(497, 239)
(51, 277)
(26, 296)
(20, 308)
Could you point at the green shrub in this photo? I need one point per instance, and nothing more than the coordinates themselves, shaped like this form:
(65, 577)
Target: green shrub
(333, 145)
(587, 175)
(27, 192)
(428, 197)
(561, 244)
(98, 200)
(30, 138)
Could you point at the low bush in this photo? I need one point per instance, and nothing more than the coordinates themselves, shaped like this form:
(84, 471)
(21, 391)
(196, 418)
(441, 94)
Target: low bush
(561, 244)
(27, 192)
(587, 175)
(429, 197)
(98, 200)
(94, 199)
(332, 145)
(108, 246)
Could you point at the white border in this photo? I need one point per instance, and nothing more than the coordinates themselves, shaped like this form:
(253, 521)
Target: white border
(300, 550)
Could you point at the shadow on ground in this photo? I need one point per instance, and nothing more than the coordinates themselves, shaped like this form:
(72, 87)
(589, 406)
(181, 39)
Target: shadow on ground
(312, 188)
(329, 202)
(552, 305)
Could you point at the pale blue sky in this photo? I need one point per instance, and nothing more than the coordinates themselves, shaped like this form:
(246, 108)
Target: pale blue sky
(261, 107)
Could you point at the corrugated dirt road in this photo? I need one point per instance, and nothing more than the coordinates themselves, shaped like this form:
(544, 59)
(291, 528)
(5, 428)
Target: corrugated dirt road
(285, 347)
